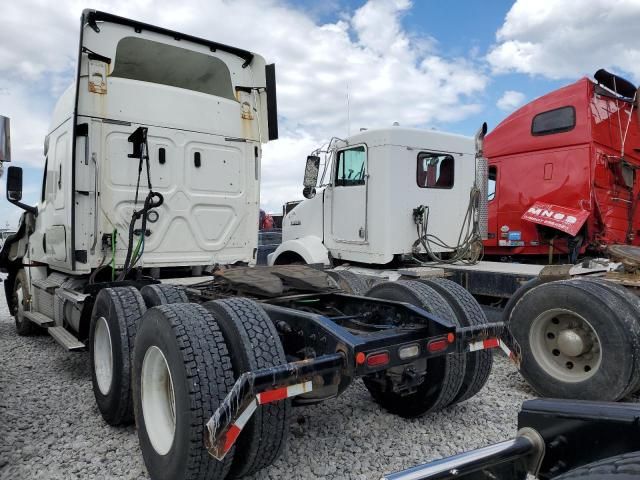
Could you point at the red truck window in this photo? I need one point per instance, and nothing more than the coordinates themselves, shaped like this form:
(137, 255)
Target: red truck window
(493, 178)
(554, 121)
(435, 170)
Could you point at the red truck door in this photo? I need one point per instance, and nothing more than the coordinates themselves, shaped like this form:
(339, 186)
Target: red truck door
(493, 199)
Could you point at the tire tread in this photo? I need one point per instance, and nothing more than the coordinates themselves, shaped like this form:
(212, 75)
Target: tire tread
(266, 434)
(620, 467)
(479, 364)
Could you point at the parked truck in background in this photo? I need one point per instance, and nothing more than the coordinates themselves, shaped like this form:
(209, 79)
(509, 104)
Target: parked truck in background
(152, 164)
(563, 179)
(406, 203)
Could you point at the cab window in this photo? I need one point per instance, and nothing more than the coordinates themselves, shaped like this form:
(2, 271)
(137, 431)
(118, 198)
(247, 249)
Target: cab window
(493, 179)
(435, 170)
(554, 121)
(351, 167)
(155, 62)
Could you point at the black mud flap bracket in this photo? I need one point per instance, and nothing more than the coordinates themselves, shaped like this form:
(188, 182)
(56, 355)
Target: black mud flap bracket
(253, 389)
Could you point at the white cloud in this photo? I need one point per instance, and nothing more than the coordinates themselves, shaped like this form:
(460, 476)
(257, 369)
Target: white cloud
(391, 74)
(568, 38)
(510, 100)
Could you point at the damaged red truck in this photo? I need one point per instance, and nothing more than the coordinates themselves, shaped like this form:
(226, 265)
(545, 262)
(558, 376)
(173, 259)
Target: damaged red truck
(562, 174)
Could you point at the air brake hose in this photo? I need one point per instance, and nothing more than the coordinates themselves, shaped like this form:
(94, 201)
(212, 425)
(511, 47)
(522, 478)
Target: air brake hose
(153, 200)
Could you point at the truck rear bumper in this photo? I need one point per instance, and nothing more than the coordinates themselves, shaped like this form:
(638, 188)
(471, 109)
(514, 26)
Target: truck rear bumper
(253, 389)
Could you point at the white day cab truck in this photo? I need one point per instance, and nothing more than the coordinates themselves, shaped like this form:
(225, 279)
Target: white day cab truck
(401, 203)
(152, 167)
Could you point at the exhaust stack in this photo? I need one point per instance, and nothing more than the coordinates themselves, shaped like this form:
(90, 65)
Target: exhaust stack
(482, 183)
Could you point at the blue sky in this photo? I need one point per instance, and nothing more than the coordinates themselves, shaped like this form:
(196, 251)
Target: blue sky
(423, 63)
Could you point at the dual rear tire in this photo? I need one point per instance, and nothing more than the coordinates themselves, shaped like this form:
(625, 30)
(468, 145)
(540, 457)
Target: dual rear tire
(449, 378)
(580, 338)
(115, 318)
(182, 371)
(186, 359)
(114, 322)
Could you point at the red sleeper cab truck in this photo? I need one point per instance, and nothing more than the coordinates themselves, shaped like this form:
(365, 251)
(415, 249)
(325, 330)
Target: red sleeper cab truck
(563, 173)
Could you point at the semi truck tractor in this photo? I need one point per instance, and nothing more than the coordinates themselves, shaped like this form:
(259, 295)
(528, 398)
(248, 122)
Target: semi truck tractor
(152, 165)
(563, 174)
(399, 203)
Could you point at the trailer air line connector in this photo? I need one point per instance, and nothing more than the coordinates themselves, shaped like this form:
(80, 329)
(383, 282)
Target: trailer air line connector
(469, 246)
(153, 200)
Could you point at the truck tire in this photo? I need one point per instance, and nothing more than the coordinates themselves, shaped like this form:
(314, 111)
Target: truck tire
(349, 281)
(114, 320)
(253, 344)
(182, 371)
(163, 294)
(517, 295)
(469, 313)
(575, 341)
(444, 373)
(21, 295)
(632, 302)
(619, 467)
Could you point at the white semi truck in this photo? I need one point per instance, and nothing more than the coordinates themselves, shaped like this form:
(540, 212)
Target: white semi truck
(371, 184)
(396, 203)
(152, 163)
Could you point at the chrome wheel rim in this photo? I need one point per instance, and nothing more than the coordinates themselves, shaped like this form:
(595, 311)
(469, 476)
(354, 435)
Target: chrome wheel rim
(565, 345)
(158, 400)
(103, 355)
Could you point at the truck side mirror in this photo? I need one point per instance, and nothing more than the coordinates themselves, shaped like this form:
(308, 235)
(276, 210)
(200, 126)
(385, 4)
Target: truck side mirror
(311, 176)
(14, 189)
(311, 171)
(5, 140)
(14, 184)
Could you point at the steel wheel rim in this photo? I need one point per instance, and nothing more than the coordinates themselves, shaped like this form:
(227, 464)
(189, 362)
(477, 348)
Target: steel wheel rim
(565, 345)
(158, 400)
(103, 355)
(20, 304)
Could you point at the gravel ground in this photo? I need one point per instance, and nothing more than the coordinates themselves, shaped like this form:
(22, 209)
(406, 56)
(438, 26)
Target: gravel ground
(50, 426)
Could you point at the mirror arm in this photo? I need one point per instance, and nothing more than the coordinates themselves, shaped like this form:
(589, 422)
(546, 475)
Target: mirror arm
(25, 207)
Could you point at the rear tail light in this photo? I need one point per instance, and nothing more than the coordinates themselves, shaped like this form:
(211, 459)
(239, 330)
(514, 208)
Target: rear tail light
(408, 351)
(437, 345)
(377, 359)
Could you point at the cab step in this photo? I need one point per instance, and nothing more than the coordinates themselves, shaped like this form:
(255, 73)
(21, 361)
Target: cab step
(65, 338)
(38, 318)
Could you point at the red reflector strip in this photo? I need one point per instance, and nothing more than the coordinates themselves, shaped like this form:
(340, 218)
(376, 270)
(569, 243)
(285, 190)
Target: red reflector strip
(272, 396)
(491, 343)
(284, 392)
(231, 435)
(234, 430)
(377, 359)
(437, 345)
